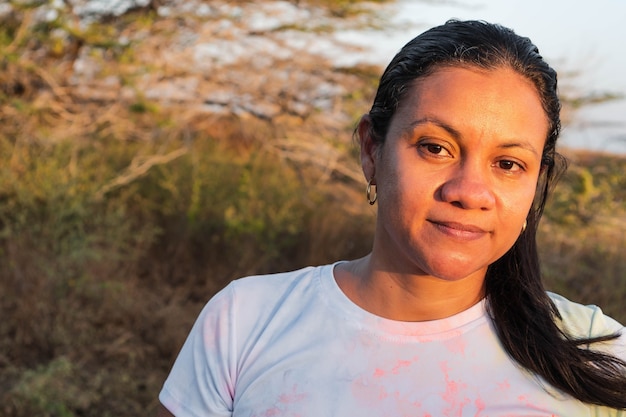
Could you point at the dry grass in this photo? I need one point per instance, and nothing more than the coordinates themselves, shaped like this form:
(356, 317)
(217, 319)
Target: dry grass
(121, 213)
(584, 232)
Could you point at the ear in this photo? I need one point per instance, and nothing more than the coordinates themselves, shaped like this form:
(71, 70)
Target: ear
(368, 148)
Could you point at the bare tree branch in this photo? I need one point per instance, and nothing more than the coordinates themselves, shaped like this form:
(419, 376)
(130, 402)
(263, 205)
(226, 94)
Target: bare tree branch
(138, 167)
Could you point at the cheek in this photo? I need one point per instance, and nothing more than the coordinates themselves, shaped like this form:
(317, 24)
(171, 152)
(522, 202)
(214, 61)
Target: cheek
(528, 197)
(516, 208)
(402, 188)
(405, 203)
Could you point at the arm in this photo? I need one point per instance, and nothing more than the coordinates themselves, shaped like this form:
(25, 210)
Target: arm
(199, 382)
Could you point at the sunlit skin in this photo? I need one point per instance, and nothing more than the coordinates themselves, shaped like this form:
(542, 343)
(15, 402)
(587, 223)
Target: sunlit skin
(455, 180)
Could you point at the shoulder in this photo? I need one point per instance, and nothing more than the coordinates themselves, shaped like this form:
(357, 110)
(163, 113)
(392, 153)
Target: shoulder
(275, 287)
(588, 321)
(276, 280)
(256, 298)
(237, 323)
(584, 320)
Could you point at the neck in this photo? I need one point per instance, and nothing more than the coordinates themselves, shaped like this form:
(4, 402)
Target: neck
(406, 297)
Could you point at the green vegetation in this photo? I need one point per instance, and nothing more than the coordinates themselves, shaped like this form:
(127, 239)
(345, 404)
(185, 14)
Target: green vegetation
(121, 215)
(583, 233)
(99, 287)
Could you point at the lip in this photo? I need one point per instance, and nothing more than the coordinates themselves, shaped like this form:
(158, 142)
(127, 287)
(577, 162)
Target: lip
(458, 230)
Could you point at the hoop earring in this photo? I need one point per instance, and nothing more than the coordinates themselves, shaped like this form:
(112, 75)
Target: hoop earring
(368, 193)
(524, 226)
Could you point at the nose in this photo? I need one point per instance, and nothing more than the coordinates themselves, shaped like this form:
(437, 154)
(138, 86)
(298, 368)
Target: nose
(468, 188)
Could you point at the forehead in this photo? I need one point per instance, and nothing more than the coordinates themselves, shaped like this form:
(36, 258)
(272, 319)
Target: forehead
(500, 92)
(461, 71)
(498, 104)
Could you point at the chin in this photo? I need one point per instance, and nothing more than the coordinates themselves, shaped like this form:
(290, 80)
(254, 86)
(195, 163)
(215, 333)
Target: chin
(459, 272)
(451, 277)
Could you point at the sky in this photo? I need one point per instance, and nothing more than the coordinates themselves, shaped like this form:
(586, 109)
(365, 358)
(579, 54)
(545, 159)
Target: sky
(583, 37)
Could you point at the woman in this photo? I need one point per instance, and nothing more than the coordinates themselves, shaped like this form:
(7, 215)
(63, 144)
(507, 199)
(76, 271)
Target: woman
(447, 314)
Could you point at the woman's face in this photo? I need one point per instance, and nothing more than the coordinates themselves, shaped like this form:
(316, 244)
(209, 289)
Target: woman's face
(457, 173)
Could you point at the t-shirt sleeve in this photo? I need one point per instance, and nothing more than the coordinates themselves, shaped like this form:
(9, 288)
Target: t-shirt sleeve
(201, 382)
(585, 321)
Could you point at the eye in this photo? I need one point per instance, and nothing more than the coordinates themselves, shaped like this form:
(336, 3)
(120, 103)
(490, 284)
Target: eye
(434, 149)
(508, 165)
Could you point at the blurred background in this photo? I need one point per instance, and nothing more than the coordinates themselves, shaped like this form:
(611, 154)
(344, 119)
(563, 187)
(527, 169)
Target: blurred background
(582, 40)
(153, 150)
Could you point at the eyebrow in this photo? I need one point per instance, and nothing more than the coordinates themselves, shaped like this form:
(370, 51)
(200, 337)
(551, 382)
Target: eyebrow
(433, 120)
(457, 135)
(523, 145)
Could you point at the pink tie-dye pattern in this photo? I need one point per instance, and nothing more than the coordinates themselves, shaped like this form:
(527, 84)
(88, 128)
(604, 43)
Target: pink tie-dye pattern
(504, 385)
(456, 345)
(293, 397)
(452, 395)
(272, 412)
(283, 405)
(480, 406)
(395, 370)
(371, 389)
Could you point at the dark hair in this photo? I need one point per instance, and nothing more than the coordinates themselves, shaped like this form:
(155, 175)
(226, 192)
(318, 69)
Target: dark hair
(523, 314)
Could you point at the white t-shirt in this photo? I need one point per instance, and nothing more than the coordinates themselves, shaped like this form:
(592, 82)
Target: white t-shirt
(293, 344)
